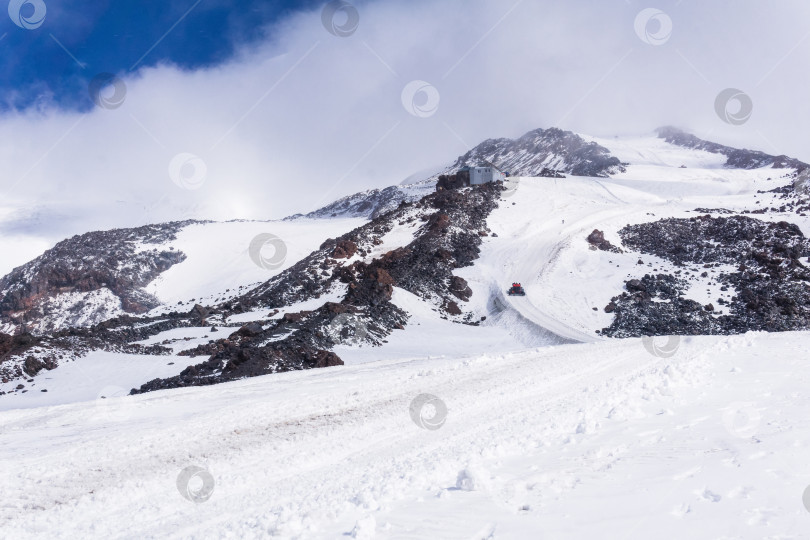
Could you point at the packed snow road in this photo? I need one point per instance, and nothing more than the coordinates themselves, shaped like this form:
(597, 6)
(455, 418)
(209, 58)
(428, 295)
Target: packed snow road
(602, 440)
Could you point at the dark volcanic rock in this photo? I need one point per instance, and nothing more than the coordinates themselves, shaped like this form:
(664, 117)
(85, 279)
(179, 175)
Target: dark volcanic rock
(200, 313)
(772, 283)
(251, 329)
(460, 289)
(452, 308)
(32, 366)
(446, 239)
(456, 180)
(530, 154)
(597, 240)
(345, 249)
(653, 306)
(367, 204)
(551, 173)
(25, 354)
(110, 263)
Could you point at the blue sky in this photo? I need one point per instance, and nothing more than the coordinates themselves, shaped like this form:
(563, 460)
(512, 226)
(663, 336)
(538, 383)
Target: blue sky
(112, 36)
(275, 113)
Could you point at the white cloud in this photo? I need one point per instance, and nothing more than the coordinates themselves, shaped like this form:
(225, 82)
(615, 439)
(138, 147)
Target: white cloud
(307, 117)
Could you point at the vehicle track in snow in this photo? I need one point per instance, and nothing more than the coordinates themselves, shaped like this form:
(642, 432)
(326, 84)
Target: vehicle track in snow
(302, 457)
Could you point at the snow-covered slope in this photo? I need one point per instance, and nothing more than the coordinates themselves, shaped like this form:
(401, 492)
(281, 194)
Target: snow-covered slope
(372, 203)
(543, 226)
(553, 153)
(540, 152)
(537, 235)
(218, 262)
(587, 441)
(93, 277)
(460, 412)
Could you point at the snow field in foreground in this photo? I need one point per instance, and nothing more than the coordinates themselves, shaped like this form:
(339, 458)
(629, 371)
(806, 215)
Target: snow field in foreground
(598, 440)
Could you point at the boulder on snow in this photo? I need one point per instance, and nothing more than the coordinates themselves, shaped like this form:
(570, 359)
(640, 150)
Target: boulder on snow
(452, 308)
(597, 240)
(32, 366)
(344, 249)
(200, 313)
(251, 329)
(459, 288)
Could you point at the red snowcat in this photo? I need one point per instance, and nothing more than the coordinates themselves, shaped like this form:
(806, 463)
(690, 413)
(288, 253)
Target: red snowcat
(516, 290)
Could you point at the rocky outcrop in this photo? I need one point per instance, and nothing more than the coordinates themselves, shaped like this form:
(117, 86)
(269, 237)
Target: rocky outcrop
(345, 249)
(543, 152)
(448, 238)
(769, 285)
(369, 204)
(737, 158)
(88, 278)
(597, 241)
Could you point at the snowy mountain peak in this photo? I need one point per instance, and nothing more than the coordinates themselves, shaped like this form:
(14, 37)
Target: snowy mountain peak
(737, 158)
(542, 151)
(629, 246)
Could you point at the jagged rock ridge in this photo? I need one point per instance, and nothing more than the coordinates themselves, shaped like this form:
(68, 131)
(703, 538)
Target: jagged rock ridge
(737, 158)
(448, 227)
(88, 278)
(552, 150)
(368, 204)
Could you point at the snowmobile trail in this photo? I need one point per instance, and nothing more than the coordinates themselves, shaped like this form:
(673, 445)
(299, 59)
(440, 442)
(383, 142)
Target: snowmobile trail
(527, 248)
(509, 312)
